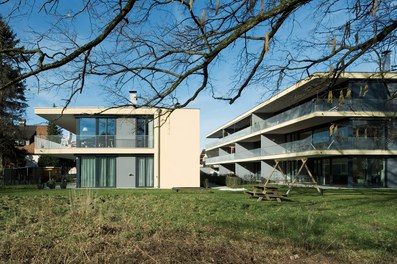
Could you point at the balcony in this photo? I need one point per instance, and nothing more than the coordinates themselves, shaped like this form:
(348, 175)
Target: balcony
(305, 145)
(316, 105)
(95, 141)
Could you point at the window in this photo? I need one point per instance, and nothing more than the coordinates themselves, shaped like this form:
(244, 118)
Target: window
(87, 132)
(369, 134)
(339, 168)
(106, 132)
(97, 132)
(87, 172)
(369, 90)
(321, 136)
(369, 172)
(106, 175)
(144, 132)
(144, 171)
(97, 172)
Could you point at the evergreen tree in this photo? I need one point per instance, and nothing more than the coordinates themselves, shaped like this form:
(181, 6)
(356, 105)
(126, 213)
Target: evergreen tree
(54, 133)
(13, 101)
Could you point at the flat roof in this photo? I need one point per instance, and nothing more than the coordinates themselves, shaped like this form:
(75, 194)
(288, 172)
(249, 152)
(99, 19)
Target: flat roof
(65, 117)
(301, 90)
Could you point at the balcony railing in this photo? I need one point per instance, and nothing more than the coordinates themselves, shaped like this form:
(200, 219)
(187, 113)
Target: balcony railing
(296, 147)
(316, 105)
(95, 141)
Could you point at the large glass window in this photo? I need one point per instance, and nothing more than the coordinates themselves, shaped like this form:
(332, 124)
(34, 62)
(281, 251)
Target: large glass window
(392, 135)
(369, 90)
(97, 172)
(369, 172)
(321, 136)
(326, 171)
(144, 132)
(97, 132)
(339, 171)
(369, 134)
(87, 132)
(106, 132)
(87, 172)
(145, 171)
(100, 132)
(106, 172)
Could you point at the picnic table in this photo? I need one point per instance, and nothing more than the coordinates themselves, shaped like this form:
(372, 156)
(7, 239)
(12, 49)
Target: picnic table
(267, 192)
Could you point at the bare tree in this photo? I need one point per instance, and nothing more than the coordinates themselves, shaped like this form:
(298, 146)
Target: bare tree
(161, 47)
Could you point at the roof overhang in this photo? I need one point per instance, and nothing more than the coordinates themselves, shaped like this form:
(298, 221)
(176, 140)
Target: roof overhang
(302, 90)
(66, 117)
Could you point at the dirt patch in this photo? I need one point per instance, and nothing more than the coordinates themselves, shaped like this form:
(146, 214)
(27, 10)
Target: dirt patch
(109, 246)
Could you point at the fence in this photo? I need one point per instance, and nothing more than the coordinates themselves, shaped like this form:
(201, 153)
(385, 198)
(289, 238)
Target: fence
(29, 175)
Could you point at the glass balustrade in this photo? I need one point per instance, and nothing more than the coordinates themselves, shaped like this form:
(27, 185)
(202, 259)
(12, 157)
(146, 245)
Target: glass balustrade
(305, 145)
(316, 105)
(96, 141)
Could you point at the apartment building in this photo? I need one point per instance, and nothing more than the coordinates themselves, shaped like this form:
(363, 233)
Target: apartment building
(126, 147)
(337, 132)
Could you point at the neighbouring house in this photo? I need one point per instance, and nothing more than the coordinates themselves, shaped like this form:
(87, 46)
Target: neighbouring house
(28, 172)
(27, 140)
(126, 147)
(339, 132)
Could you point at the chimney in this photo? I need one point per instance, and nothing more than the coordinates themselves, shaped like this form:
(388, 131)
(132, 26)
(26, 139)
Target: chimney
(386, 60)
(22, 122)
(133, 98)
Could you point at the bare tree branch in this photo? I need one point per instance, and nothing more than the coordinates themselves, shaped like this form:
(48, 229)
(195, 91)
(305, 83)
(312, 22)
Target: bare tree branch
(171, 51)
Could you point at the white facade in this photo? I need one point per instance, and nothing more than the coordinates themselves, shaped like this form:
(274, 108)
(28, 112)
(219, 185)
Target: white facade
(343, 130)
(127, 147)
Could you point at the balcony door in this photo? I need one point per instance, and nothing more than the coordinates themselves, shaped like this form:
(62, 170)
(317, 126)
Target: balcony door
(97, 172)
(106, 132)
(144, 172)
(144, 132)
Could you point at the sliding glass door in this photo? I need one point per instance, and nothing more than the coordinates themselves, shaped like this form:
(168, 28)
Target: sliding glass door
(106, 175)
(97, 172)
(144, 171)
(144, 132)
(87, 172)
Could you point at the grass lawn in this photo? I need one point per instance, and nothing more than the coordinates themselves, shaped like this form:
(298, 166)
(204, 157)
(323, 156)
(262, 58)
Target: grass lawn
(162, 226)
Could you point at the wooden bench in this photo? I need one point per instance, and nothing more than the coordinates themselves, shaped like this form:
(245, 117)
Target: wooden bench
(266, 192)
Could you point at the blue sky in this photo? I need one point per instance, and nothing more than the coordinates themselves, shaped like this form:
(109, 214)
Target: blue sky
(213, 112)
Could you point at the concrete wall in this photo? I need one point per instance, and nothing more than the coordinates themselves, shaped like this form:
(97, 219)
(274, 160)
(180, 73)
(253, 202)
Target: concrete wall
(270, 146)
(226, 169)
(244, 146)
(244, 170)
(224, 151)
(213, 153)
(256, 121)
(125, 128)
(179, 149)
(266, 172)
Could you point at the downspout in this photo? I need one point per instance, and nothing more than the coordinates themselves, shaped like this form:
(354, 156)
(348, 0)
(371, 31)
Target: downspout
(158, 146)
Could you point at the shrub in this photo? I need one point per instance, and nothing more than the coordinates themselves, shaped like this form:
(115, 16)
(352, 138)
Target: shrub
(211, 179)
(233, 181)
(51, 184)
